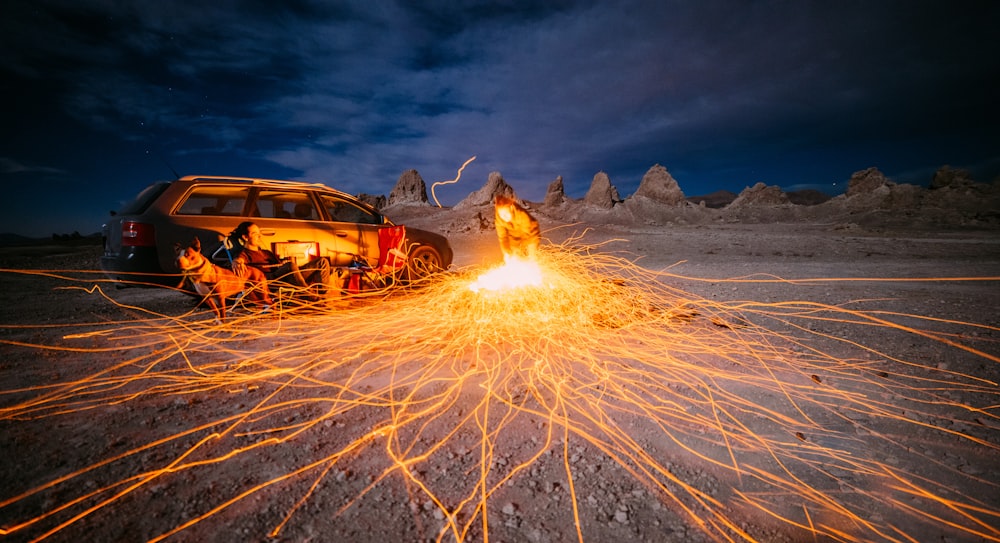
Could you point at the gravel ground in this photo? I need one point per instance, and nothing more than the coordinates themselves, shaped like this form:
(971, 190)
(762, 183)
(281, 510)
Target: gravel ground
(54, 329)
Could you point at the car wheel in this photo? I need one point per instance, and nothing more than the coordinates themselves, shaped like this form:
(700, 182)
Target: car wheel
(424, 260)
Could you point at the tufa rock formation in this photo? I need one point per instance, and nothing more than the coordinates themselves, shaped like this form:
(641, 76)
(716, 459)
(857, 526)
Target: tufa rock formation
(555, 196)
(378, 202)
(956, 198)
(953, 199)
(870, 190)
(494, 185)
(410, 189)
(867, 182)
(760, 195)
(658, 185)
(949, 178)
(602, 194)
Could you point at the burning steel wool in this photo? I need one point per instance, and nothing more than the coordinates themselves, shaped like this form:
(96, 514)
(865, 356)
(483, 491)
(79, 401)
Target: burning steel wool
(515, 273)
(435, 407)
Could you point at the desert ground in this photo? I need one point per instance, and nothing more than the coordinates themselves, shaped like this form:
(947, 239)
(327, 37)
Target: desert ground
(869, 415)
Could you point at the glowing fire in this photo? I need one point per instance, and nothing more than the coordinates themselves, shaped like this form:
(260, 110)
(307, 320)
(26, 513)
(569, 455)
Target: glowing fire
(515, 273)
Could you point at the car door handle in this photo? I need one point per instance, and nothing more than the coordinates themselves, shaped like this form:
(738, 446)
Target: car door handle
(340, 233)
(268, 231)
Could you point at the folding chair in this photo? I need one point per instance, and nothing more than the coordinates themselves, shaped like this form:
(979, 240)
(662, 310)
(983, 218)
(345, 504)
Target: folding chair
(391, 260)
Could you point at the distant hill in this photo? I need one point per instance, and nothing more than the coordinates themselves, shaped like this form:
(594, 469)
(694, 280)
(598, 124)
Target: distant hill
(715, 200)
(8, 239)
(14, 240)
(808, 197)
(721, 198)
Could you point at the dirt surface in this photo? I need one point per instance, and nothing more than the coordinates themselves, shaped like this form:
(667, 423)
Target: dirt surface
(185, 457)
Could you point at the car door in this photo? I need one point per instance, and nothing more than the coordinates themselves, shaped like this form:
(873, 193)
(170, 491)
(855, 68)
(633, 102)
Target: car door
(356, 226)
(290, 221)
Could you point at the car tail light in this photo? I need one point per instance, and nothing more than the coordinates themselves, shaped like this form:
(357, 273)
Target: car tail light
(137, 234)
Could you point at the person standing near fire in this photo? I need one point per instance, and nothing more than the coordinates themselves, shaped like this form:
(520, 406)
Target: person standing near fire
(517, 230)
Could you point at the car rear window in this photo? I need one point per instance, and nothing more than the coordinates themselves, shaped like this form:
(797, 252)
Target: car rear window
(143, 199)
(210, 200)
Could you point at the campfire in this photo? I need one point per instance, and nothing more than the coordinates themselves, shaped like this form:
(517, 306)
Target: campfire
(514, 273)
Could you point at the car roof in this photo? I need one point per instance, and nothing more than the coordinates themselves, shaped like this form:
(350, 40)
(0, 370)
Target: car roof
(273, 183)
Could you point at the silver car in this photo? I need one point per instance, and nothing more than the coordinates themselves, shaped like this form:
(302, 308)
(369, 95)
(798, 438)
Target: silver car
(298, 220)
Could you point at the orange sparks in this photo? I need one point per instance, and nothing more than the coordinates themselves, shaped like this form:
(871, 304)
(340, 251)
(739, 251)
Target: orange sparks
(602, 391)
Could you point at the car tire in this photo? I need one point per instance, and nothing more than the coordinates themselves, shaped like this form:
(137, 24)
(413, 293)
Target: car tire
(423, 261)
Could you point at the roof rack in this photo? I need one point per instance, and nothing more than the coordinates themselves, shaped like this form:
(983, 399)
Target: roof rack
(261, 182)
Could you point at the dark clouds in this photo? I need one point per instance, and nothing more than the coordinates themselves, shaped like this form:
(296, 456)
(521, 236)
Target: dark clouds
(104, 97)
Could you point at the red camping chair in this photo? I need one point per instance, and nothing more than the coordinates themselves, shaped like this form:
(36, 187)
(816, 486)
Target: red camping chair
(391, 260)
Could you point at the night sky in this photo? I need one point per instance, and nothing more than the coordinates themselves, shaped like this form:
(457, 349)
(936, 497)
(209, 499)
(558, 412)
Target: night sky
(104, 97)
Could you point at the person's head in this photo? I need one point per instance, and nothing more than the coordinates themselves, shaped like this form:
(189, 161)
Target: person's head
(504, 207)
(248, 234)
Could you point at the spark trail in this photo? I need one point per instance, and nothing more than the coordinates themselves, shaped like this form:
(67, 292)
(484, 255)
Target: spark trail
(443, 400)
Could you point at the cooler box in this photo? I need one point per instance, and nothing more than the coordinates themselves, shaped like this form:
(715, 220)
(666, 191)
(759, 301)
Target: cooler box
(300, 251)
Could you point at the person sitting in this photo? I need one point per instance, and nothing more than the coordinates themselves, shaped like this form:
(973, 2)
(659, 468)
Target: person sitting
(247, 237)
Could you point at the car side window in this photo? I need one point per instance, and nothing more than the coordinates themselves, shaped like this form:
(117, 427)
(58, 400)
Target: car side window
(210, 200)
(283, 204)
(344, 211)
